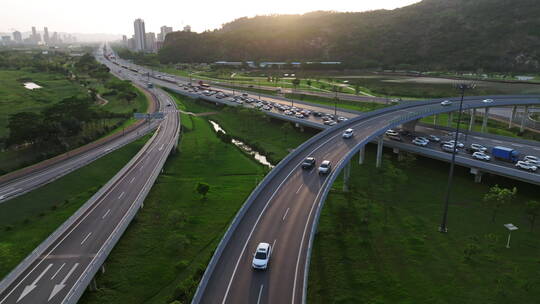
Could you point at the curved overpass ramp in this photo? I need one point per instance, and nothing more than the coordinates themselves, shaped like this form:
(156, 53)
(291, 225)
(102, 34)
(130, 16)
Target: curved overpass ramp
(284, 209)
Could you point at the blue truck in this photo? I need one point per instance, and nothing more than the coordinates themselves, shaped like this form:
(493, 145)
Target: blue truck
(507, 154)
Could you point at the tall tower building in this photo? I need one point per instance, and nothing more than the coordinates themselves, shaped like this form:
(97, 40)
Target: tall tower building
(164, 31)
(140, 35)
(17, 37)
(35, 36)
(151, 42)
(46, 35)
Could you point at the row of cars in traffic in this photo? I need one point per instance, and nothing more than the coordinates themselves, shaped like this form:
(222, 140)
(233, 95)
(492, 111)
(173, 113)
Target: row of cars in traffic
(477, 151)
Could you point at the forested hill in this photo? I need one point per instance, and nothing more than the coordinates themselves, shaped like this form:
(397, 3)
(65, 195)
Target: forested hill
(499, 35)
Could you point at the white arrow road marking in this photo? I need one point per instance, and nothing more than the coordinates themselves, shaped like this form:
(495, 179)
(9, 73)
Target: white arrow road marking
(54, 275)
(58, 287)
(29, 288)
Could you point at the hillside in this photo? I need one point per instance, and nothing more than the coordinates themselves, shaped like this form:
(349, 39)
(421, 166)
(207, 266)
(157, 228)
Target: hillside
(500, 35)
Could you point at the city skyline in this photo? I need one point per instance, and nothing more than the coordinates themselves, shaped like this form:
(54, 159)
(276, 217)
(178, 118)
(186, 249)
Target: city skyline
(65, 17)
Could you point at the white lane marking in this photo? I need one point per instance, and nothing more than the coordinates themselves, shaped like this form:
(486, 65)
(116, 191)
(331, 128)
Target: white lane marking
(273, 247)
(7, 190)
(260, 293)
(84, 240)
(54, 275)
(537, 149)
(299, 188)
(516, 145)
(131, 181)
(271, 198)
(161, 148)
(29, 288)
(121, 195)
(285, 215)
(497, 141)
(9, 193)
(58, 287)
(106, 213)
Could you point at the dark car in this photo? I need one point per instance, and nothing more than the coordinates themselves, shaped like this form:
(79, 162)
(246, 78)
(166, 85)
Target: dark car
(308, 163)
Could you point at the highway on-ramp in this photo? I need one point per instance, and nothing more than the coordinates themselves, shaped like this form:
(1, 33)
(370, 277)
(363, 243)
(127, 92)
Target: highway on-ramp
(283, 210)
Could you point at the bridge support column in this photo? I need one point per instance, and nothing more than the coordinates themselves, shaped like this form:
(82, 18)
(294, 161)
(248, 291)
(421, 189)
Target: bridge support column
(410, 125)
(450, 118)
(514, 109)
(399, 154)
(472, 118)
(379, 151)
(477, 175)
(362, 155)
(346, 177)
(485, 121)
(93, 285)
(103, 268)
(523, 118)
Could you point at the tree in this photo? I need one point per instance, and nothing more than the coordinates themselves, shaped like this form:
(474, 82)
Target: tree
(357, 89)
(308, 82)
(296, 83)
(498, 197)
(532, 208)
(202, 189)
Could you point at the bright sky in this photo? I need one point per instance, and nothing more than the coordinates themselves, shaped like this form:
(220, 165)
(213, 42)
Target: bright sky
(117, 16)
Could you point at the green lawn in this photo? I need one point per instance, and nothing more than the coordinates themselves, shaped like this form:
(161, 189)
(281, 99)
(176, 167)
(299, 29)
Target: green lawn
(357, 258)
(15, 98)
(267, 135)
(28, 219)
(177, 230)
(344, 104)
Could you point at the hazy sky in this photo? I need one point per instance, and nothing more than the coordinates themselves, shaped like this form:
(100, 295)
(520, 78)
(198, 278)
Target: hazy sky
(116, 16)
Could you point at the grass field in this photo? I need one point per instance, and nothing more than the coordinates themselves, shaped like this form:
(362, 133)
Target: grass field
(357, 258)
(345, 104)
(28, 219)
(177, 229)
(253, 127)
(15, 98)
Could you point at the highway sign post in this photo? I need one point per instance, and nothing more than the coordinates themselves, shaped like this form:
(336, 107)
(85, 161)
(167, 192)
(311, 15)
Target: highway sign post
(510, 228)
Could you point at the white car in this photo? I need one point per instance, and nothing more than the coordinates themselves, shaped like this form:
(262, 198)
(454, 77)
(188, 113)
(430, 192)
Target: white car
(446, 103)
(261, 257)
(417, 141)
(487, 100)
(325, 167)
(526, 166)
(478, 148)
(434, 138)
(342, 119)
(423, 138)
(348, 133)
(448, 148)
(299, 115)
(451, 142)
(481, 156)
(532, 159)
(391, 132)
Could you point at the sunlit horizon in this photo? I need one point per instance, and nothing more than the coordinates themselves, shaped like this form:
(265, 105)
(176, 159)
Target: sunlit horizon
(116, 17)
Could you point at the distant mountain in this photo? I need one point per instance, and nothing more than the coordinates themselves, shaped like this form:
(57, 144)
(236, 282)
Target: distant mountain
(501, 35)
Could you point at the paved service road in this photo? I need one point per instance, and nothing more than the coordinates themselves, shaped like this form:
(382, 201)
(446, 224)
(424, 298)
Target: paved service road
(59, 270)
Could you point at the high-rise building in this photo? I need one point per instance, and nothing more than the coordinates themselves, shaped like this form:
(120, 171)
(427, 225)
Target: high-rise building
(35, 38)
(140, 35)
(150, 42)
(164, 31)
(131, 43)
(187, 28)
(46, 35)
(17, 37)
(124, 41)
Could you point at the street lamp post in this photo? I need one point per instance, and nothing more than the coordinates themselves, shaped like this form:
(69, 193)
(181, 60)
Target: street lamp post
(444, 228)
(510, 228)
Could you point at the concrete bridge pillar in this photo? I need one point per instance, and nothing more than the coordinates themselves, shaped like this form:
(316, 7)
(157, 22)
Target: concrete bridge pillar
(103, 268)
(379, 151)
(514, 109)
(362, 155)
(410, 125)
(472, 118)
(523, 118)
(346, 177)
(485, 121)
(477, 175)
(399, 154)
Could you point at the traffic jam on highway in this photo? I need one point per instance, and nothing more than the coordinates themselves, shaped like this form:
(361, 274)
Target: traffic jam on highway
(445, 143)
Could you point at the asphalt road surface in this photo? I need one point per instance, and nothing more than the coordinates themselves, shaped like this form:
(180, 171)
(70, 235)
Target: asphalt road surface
(52, 275)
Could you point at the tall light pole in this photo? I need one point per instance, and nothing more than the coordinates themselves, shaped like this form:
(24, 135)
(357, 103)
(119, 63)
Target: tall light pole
(462, 87)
